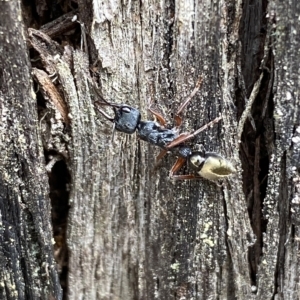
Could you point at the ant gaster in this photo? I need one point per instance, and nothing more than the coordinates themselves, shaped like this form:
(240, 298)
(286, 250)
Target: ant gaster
(209, 165)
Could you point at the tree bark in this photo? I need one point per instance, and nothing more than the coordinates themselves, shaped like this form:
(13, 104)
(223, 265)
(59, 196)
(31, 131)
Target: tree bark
(28, 269)
(123, 229)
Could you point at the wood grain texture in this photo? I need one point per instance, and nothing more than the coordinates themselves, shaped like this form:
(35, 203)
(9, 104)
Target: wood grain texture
(128, 231)
(28, 270)
(163, 239)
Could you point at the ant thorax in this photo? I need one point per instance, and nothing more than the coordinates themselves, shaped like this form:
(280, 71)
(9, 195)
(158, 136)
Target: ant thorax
(153, 133)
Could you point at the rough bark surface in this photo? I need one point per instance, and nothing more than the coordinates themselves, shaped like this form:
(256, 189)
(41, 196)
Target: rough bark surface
(123, 229)
(28, 269)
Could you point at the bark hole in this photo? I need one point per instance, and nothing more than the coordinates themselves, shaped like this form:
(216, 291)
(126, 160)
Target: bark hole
(59, 179)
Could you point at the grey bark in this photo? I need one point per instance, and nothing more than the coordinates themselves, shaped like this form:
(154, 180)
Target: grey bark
(132, 233)
(28, 269)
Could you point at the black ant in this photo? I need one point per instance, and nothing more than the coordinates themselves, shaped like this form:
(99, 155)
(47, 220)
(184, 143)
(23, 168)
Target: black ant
(209, 165)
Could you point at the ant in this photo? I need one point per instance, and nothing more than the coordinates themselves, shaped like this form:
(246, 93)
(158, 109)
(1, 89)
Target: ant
(208, 165)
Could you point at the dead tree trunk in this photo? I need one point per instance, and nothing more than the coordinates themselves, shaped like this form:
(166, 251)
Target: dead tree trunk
(123, 229)
(28, 269)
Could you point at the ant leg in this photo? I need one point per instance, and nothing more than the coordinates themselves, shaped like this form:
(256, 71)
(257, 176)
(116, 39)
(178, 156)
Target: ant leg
(161, 154)
(188, 99)
(161, 120)
(177, 118)
(185, 177)
(186, 136)
(159, 117)
(176, 167)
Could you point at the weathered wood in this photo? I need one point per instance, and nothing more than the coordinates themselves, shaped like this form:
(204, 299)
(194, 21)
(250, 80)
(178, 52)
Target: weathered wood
(174, 239)
(28, 270)
(279, 268)
(132, 233)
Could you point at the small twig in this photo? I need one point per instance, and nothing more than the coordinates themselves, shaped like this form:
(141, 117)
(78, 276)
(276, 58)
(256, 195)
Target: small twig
(247, 109)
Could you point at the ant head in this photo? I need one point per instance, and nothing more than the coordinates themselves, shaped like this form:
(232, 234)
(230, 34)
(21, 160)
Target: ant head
(211, 165)
(126, 118)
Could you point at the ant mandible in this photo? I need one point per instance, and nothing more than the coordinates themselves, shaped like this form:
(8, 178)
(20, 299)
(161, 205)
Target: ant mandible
(208, 165)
